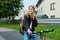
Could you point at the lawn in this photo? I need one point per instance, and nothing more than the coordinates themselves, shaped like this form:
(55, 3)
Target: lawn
(54, 35)
(12, 26)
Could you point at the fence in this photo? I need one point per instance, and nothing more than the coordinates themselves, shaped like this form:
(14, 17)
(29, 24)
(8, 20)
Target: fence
(10, 21)
(52, 22)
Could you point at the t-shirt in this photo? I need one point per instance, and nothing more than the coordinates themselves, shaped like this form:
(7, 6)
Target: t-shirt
(31, 25)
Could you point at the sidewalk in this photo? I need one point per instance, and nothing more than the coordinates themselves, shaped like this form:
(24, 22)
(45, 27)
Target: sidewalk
(1, 38)
(2, 29)
(9, 34)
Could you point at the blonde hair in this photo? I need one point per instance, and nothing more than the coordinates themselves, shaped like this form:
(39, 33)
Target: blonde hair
(28, 8)
(31, 6)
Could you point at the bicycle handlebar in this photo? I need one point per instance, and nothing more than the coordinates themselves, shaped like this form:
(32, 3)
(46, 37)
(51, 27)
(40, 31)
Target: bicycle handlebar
(44, 31)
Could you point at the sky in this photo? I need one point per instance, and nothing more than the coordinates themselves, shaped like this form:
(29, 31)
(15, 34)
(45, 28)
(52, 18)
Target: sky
(26, 3)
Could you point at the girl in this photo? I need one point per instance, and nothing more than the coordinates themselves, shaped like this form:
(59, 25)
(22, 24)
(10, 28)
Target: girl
(30, 22)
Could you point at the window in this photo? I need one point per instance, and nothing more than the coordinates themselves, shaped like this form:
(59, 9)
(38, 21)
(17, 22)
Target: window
(52, 16)
(41, 10)
(52, 6)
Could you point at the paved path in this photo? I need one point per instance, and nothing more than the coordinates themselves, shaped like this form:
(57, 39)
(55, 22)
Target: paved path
(9, 34)
(2, 29)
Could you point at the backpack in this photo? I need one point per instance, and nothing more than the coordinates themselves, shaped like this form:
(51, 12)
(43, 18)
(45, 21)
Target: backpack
(21, 27)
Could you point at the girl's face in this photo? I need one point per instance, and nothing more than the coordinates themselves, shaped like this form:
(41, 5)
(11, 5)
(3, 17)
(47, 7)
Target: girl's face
(31, 10)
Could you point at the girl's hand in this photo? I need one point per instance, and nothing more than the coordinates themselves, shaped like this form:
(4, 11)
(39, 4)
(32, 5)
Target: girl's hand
(34, 16)
(29, 31)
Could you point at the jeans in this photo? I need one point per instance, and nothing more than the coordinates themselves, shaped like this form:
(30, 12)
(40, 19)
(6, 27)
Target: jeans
(29, 37)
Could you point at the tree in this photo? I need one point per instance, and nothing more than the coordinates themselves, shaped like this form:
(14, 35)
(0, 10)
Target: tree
(10, 7)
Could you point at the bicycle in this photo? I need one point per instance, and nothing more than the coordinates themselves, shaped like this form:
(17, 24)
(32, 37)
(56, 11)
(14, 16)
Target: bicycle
(41, 33)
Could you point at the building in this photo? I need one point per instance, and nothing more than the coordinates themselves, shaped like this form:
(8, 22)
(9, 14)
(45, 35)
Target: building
(20, 15)
(49, 7)
(52, 9)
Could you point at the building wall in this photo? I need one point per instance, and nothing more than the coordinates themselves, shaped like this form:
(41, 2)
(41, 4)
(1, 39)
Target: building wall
(45, 8)
(20, 14)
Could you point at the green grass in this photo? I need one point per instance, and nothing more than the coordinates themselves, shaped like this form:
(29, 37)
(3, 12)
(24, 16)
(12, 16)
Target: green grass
(12, 26)
(53, 35)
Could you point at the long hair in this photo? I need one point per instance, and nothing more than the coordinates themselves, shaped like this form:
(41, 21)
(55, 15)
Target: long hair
(28, 8)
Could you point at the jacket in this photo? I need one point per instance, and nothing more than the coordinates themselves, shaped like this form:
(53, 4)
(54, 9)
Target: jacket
(27, 22)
